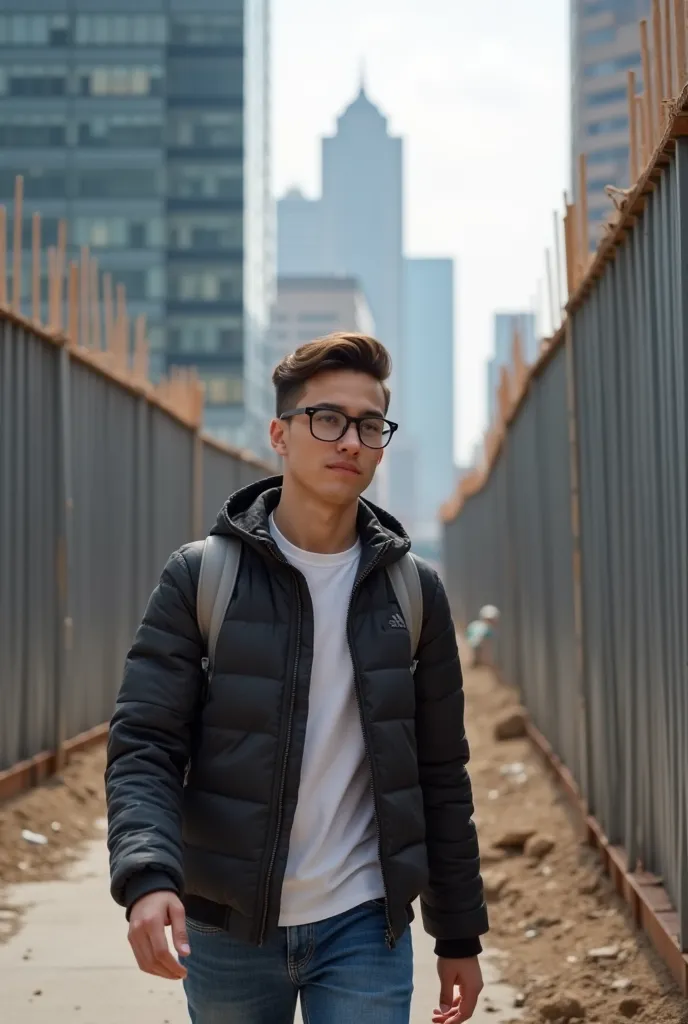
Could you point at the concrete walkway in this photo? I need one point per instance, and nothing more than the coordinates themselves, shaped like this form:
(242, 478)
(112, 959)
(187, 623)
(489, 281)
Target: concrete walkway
(71, 964)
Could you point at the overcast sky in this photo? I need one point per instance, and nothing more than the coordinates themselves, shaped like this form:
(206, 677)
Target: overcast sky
(479, 90)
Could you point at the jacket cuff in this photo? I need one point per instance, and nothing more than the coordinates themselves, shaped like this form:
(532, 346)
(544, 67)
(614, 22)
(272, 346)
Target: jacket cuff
(458, 949)
(145, 882)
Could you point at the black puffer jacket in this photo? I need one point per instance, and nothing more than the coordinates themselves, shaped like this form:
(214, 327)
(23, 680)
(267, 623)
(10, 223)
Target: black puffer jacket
(202, 787)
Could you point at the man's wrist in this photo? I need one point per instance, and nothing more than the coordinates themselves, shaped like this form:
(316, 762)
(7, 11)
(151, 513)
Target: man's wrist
(145, 882)
(458, 949)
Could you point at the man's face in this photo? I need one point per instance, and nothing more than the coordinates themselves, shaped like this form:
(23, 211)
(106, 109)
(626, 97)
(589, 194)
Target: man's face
(336, 471)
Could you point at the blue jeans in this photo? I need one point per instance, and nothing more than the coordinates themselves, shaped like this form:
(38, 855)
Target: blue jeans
(341, 968)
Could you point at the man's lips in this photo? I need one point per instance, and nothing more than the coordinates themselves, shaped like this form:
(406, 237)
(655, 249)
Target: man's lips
(348, 467)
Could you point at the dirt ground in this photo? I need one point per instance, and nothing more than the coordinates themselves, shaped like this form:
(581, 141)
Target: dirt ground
(67, 812)
(548, 913)
(564, 934)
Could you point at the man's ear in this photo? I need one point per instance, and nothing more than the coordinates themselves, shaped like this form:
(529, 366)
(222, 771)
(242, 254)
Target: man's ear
(278, 440)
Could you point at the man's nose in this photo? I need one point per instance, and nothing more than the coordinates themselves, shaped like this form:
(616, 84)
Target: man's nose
(350, 440)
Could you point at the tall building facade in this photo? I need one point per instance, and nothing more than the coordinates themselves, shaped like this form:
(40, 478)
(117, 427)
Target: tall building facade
(145, 124)
(300, 242)
(505, 327)
(605, 45)
(429, 383)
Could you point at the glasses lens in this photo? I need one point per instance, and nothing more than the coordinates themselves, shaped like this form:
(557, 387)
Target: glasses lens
(375, 433)
(328, 425)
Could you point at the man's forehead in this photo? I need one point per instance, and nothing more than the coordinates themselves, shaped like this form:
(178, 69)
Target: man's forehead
(354, 394)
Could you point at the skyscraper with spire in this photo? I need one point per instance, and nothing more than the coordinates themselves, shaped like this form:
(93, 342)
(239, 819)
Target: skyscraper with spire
(356, 228)
(362, 207)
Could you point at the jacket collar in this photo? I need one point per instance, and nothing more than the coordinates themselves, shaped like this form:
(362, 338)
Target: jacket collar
(246, 515)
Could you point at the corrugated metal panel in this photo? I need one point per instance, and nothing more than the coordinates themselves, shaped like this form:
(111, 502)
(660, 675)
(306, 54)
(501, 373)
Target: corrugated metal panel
(620, 722)
(28, 461)
(96, 491)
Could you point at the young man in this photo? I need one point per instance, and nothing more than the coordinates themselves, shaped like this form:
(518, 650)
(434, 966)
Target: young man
(283, 815)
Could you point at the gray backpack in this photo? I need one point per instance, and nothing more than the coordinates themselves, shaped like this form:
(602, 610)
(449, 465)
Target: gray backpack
(219, 571)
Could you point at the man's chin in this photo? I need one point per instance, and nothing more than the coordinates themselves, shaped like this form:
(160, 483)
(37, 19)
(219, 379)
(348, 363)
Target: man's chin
(339, 488)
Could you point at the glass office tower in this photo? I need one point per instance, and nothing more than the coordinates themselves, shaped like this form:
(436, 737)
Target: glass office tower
(137, 120)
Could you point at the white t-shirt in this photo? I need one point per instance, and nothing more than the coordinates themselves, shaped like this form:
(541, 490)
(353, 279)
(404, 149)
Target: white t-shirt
(333, 862)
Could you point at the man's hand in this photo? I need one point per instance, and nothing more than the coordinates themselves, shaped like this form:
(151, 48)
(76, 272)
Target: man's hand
(467, 976)
(149, 918)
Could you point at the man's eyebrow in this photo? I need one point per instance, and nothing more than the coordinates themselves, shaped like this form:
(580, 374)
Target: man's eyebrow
(340, 408)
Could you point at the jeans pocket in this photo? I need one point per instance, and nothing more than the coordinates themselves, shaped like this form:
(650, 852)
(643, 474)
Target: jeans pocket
(202, 929)
(378, 904)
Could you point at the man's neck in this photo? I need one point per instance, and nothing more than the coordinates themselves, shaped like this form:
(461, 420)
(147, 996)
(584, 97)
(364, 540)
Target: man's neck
(313, 526)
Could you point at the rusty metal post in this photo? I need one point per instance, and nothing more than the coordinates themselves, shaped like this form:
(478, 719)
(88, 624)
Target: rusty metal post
(17, 244)
(73, 305)
(61, 268)
(658, 62)
(94, 290)
(633, 158)
(84, 305)
(648, 99)
(36, 295)
(680, 30)
(3, 256)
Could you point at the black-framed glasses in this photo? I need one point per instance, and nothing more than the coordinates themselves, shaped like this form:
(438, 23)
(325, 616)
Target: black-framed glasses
(332, 424)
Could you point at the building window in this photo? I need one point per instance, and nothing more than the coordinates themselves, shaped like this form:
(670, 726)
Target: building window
(120, 30)
(34, 30)
(142, 285)
(205, 77)
(223, 389)
(121, 81)
(208, 232)
(207, 181)
(599, 36)
(207, 29)
(121, 131)
(38, 184)
(31, 131)
(611, 67)
(609, 156)
(206, 129)
(609, 96)
(119, 233)
(224, 284)
(222, 334)
(607, 126)
(123, 183)
(17, 81)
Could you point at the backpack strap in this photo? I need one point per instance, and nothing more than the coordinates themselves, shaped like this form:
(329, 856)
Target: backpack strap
(405, 580)
(216, 582)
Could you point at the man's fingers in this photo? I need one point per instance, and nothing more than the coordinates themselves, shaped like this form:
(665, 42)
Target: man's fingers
(180, 938)
(143, 951)
(467, 1005)
(163, 958)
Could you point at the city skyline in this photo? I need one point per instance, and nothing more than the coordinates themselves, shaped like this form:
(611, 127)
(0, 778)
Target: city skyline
(440, 90)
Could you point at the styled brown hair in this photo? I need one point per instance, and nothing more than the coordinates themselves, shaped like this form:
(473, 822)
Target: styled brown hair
(339, 351)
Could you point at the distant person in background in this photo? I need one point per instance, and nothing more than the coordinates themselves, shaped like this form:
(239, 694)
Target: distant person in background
(480, 632)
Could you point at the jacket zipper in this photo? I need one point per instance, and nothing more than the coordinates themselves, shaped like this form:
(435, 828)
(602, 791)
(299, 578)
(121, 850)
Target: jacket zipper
(389, 934)
(285, 760)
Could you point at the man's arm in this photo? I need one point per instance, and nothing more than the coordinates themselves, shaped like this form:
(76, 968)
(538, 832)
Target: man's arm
(453, 905)
(150, 740)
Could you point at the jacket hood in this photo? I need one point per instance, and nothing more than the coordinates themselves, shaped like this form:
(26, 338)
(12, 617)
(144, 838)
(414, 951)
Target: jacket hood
(246, 514)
